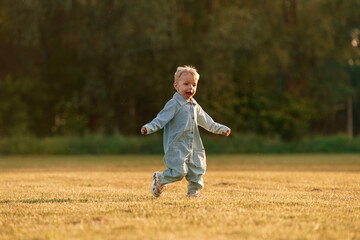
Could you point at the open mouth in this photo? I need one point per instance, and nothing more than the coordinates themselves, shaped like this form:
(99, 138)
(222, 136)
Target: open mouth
(188, 94)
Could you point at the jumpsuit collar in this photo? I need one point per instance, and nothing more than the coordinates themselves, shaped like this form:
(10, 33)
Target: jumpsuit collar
(181, 100)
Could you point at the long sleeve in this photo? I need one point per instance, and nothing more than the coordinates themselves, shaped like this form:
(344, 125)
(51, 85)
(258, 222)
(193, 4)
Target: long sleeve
(206, 122)
(163, 117)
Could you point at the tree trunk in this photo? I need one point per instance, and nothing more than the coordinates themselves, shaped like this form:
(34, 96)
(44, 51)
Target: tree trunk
(349, 117)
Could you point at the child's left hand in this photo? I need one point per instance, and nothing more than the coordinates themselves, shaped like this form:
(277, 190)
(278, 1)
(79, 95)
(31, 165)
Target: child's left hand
(227, 133)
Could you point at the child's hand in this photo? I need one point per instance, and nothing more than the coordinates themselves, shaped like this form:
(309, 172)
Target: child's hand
(227, 133)
(143, 130)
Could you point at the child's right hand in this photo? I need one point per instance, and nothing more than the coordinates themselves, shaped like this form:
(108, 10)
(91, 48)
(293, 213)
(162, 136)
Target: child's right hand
(143, 131)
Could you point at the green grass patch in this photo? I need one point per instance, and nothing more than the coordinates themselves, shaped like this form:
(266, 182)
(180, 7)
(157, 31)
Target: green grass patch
(97, 144)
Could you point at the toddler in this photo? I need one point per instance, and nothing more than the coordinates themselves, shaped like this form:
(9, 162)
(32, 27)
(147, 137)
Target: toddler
(184, 151)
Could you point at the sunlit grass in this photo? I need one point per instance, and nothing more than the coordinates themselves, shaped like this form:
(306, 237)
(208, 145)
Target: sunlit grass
(245, 197)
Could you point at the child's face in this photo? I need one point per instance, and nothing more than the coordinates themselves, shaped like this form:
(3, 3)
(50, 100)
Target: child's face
(186, 86)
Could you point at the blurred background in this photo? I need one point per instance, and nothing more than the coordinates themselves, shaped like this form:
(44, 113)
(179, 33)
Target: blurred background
(281, 71)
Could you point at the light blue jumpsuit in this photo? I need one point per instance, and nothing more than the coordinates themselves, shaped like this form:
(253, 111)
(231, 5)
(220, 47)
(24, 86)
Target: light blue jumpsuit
(184, 150)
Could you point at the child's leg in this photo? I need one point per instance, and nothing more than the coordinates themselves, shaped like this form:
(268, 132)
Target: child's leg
(174, 174)
(194, 178)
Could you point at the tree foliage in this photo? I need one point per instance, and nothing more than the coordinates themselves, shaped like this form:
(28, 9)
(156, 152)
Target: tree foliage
(283, 68)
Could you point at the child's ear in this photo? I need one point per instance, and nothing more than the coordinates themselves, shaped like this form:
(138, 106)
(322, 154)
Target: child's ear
(175, 85)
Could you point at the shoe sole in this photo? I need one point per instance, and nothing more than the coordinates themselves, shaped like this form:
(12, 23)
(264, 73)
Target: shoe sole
(193, 196)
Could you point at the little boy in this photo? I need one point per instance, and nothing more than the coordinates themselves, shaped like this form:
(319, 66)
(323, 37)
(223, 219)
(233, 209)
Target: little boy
(184, 151)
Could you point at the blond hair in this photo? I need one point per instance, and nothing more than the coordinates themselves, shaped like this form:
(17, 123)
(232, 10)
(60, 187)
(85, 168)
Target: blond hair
(186, 68)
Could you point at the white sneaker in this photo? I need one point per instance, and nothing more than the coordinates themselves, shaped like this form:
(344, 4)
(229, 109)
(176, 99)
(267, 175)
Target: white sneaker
(156, 187)
(193, 195)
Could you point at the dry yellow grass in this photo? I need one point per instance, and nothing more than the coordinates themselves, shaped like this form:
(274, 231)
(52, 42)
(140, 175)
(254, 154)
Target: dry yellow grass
(245, 197)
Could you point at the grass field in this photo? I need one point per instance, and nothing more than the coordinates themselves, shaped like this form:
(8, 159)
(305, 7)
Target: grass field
(245, 197)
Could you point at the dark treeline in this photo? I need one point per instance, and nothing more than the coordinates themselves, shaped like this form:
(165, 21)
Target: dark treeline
(287, 68)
